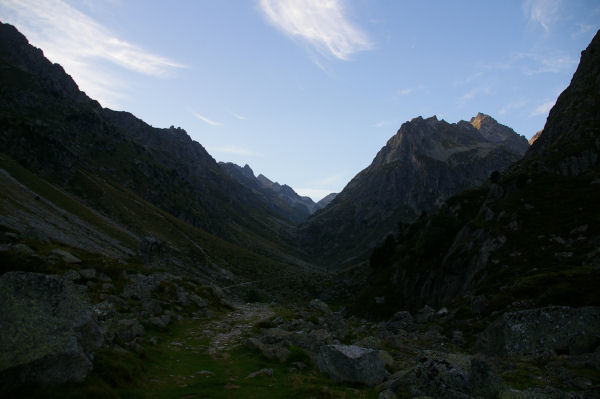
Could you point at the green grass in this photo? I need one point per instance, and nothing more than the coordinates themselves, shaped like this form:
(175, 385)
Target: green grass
(170, 370)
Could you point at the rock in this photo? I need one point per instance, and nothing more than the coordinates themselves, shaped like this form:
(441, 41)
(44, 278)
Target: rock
(129, 329)
(72, 275)
(442, 312)
(351, 364)
(47, 331)
(479, 305)
(67, 257)
(88, 274)
(402, 320)
(558, 329)
(22, 249)
(266, 372)
(274, 351)
(198, 301)
(387, 394)
(424, 315)
(446, 375)
(104, 310)
(319, 306)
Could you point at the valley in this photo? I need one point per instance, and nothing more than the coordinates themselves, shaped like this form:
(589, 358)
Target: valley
(463, 262)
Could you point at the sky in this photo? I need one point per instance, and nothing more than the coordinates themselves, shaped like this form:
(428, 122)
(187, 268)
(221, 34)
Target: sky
(308, 91)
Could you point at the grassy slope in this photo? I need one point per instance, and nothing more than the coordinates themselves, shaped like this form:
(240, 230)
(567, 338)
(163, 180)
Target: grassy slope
(138, 218)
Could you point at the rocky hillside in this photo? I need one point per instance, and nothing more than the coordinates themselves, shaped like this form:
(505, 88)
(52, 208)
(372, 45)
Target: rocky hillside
(282, 199)
(424, 163)
(529, 237)
(57, 132)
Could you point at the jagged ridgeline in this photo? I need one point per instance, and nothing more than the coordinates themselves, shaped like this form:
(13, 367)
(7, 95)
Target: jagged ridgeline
(427, 161)
(527, 237)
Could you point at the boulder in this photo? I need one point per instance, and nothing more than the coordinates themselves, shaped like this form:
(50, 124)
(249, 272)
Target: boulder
(129, 329)
(558, 329)
(349, 363)
(67, 257)
(47, 331)
(425, 315)
(402, 320)
(320, 306)
(446, 375)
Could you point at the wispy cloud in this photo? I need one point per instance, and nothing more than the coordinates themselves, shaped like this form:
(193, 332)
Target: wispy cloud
(206, 120)
(531, 63)
(543, 109)
(474, 92)
(380, 124)
(322, 24)
(238, 116)
(543, 12)
(237, 151)
(512, 106)
(77, 42)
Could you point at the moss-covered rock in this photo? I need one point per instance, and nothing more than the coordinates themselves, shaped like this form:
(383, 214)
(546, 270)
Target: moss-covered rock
(47, 331)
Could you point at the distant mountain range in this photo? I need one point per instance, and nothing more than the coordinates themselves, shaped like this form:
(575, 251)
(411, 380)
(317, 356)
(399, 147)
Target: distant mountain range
(427, 161)
(282, 198)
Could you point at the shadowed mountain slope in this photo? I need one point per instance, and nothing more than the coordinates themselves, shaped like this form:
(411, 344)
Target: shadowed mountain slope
(529, 237)
(56, 131)
(425, 162)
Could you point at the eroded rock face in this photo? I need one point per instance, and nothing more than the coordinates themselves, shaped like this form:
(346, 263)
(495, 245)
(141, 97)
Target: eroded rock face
(558, 329)
(349, 363)
(47, 331)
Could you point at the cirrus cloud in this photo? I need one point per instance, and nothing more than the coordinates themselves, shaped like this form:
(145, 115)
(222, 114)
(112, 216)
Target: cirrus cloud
(78, 42)
(321, 23)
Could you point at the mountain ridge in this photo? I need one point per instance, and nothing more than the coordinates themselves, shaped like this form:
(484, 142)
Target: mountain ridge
(423, 163)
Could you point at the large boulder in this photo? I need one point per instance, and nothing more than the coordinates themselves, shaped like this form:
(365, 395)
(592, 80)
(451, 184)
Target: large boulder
(349, 363)
(47, 331)
(558, 329)
(446, 375)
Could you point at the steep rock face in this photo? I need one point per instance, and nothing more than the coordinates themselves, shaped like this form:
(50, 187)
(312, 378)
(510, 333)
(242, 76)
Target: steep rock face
(425, 162)
(570, 141)
(529, 236)
(282, 199)
(56, 131)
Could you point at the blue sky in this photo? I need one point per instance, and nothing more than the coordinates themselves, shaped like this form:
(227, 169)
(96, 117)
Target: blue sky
(306, 92)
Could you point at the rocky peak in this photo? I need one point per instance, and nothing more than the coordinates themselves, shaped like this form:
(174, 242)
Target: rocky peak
(497, 133)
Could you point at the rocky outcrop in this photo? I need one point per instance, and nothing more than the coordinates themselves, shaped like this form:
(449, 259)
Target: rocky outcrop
(554, 329)
(427, 161)
(47, 331)
(349, 363)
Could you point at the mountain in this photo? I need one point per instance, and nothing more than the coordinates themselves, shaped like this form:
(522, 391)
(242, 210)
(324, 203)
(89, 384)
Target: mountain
(326, 200)
(527, 238)
(424, 163)
(53, 129)
(282, 199)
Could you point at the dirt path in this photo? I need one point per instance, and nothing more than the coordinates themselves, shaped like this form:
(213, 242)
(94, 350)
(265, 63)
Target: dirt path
(228, 331)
